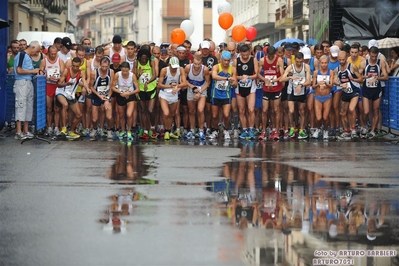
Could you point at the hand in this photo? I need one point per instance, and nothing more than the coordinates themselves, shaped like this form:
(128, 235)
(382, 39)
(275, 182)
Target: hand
(244, 78)
(145, 86)
(295, 77)
(175, 89)
(344, 85)
(88, 91)
(104, 98)
(197, 96)
(53, 79)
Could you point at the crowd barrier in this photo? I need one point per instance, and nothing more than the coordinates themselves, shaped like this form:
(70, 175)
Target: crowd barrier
(39, 109)
(390, 105)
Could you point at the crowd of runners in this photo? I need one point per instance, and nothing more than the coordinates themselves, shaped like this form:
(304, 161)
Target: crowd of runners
(229, 90)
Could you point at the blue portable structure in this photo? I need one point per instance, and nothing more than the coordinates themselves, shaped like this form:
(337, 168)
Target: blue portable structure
(3, 63)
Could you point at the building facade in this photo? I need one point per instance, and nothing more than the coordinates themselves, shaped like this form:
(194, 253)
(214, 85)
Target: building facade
(39, 15)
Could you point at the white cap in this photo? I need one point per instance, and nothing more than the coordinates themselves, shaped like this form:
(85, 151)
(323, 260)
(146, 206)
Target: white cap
(46, 43)
(334, 50)
(205, 45)
(372, 43)
(306, 52)
(174, 62)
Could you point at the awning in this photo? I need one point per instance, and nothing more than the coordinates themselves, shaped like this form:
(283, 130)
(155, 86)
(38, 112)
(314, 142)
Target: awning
(3, 24)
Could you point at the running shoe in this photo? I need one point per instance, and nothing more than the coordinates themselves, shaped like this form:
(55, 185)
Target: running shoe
(177, 133)
(251, 134)
(56, 131)
(20, 136)
(85, 132)
(291, 133)
(122, 134)
(29, 135)
(173, 135)
(166, 136)
(226, 134)
(262, 135)
(63, 131)
(325, 135)
(302, 134)
(189, 135)
(93, 133)
(274, 135)
(129, 135)
(316, 133)
(354, 134)
(363, 132)
(49, 131)
(201, 135)
(371, 135)
(144, 136)
(101, 133)
(73, 135)
(344, 136)
(213, 135)
(244, 135)
(109, 134)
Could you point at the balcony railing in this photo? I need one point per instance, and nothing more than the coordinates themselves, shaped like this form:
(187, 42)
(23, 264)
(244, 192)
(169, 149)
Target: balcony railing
(47, 6)
(181, 13)
(284, 18)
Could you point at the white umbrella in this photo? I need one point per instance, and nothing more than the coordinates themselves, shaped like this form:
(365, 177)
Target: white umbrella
(388, 43)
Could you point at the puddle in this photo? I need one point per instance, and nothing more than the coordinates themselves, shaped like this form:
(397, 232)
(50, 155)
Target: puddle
(275, 212)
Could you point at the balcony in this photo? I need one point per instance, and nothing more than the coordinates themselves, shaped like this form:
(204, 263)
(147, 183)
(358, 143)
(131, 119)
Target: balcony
(37, 7)
(284, 19)
(17, 1)
(178, 13)
(300, 16)
(121, 31)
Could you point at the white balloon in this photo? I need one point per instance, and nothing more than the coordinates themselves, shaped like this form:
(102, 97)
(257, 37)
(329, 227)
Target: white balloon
(224, 7)
(188, 27)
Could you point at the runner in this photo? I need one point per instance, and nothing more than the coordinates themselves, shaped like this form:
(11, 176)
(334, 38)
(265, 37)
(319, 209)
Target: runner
(171, 80)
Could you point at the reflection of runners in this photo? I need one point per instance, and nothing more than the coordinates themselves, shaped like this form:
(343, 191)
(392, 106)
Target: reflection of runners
(291, 133)
(166, 136)
(236, 133)
(73, 135)
(302, 134)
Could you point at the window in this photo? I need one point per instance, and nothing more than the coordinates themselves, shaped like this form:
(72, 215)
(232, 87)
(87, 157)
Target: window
(207, 4)
(20, 26)
(105, 23)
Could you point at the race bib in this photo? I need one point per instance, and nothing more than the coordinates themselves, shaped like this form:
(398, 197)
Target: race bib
(144, 78)
(125, 88)
(372, 82)
(259, 85)
(222, 85)
(348, 88)
(102, 90)
(246, 84)
(53, 73)
(271, 78)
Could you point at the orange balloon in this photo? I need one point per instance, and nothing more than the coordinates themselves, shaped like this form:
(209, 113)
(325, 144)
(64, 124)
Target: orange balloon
(178, 36)
(225, 20)
(239, 33)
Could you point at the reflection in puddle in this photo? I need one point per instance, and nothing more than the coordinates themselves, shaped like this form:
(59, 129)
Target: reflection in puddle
(284, 214)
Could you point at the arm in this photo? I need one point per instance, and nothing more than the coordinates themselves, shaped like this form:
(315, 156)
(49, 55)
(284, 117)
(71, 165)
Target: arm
(355, 71)
(137, 90)
(280, 65)
(394, 65)
(154, 69)
(384, 73)
(207, 77)
(260, 66)
(113, 84)
(68, 63)
(161, 78)
(315, 85)
(285, 76)
(155, 65)
(215, 75)
(83, 83)
(61, 82)
(316, 64)
(308, 79)
(111, 75)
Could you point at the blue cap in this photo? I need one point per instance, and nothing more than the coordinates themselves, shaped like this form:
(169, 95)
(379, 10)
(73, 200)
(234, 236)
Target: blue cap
(226, 55)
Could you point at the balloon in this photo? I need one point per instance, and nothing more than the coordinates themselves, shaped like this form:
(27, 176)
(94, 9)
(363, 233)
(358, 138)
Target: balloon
(178, 36)
(225, 20)
(238, 33)
(188, 27)
(251, 33)
(224, 7)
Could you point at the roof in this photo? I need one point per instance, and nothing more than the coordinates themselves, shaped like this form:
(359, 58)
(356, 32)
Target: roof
(118, 8)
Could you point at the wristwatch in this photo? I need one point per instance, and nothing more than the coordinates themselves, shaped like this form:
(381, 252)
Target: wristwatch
(109, 99)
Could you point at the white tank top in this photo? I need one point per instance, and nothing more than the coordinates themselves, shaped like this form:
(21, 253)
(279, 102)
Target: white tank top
(169, 79)
(294, 83)
(111, 52)
(125, 85)
(53, 70)
(64, 57)
(196, 80)
(131, 62)
(93, 68)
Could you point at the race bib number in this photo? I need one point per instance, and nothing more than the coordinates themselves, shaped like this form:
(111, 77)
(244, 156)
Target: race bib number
(259, 85)
(222, 85)
(125, 89)
(372, 82)
(246, 84)
(323, 78)
(53, 73)
(271, 78)
(348, 88)
(144, 78)
(102, 90)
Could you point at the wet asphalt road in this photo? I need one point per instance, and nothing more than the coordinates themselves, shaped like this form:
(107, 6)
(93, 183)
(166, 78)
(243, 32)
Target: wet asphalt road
(108, 203)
